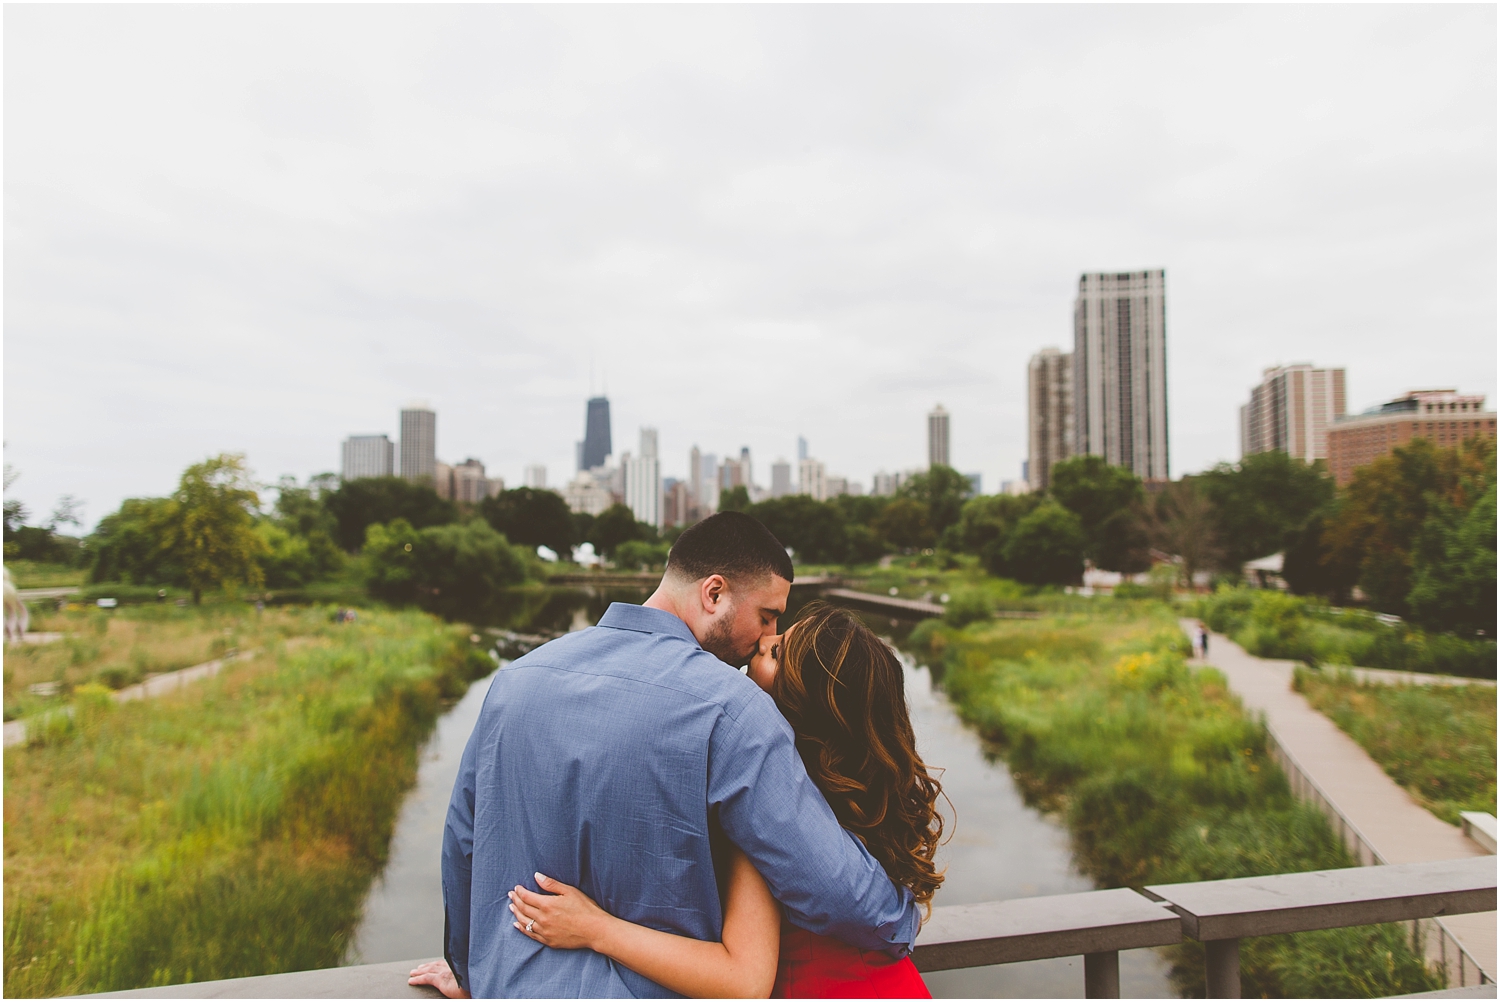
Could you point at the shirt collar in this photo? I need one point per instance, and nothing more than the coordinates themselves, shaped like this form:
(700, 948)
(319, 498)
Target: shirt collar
(640, 619)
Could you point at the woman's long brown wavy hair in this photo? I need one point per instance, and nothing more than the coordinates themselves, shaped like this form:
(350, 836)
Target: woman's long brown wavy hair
(843, 692)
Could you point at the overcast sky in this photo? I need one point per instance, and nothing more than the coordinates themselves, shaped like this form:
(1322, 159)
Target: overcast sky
(263, 228)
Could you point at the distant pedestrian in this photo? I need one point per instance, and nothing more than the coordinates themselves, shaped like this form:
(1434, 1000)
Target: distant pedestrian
(1203, 641)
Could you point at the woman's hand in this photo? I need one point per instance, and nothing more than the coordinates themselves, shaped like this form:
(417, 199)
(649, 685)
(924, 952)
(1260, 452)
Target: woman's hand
(439, 975)
(564, 918)
(765, 661)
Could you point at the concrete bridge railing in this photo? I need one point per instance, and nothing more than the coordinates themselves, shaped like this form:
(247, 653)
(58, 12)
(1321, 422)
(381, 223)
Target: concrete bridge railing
(1094, 924)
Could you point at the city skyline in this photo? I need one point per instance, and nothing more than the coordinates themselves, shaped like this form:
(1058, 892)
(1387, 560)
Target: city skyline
(307, 214)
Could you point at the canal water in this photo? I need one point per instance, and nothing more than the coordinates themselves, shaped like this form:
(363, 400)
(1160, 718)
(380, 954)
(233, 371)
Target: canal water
(999, 848)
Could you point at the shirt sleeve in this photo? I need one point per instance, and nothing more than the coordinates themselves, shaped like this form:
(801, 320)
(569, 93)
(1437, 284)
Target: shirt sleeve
(824, 877)
(458, 869)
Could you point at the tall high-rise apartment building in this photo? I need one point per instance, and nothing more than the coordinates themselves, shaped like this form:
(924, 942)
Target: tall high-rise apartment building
(368, 456)
(801, 448)
(736, 472)
(536, 477)
(937, 437)
(419, 444)
(677, 505)
(886, 484)
(643, 481)
(596, 447)
(1120, 370)
(470, 485)
(1291, 411)
(703, 481)
(812, 479)
(781, 478)
(1049, 413)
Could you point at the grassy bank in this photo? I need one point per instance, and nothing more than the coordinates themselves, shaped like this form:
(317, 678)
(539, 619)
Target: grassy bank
(1436, 741)
(1160, 777)
(1270, 624)
(231, 828)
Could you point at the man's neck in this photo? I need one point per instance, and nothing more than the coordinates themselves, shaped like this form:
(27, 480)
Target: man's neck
(664, 600)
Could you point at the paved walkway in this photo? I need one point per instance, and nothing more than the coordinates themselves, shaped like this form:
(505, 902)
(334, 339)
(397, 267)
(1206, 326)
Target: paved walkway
(1395, 825)
(157, 685)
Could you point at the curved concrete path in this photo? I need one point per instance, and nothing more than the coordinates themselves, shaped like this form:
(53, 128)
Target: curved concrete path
(1395, 825)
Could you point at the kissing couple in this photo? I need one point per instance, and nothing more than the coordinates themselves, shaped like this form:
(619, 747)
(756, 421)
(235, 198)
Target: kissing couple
(634, 817)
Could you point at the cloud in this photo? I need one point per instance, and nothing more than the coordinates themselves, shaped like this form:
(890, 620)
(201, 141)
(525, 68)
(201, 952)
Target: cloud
(265, 228)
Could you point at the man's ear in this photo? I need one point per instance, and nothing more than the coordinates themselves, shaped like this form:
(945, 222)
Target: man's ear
(713, 592)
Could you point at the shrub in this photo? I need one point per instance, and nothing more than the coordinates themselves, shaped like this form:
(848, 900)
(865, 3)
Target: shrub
(967, 607)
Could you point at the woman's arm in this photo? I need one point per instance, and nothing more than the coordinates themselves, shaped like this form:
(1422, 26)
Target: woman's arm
(742, 966)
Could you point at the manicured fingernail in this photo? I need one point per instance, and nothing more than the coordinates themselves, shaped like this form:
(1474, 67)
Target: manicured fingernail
(539, 877)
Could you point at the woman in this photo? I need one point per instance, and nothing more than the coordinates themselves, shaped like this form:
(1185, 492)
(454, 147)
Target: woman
(841, 689)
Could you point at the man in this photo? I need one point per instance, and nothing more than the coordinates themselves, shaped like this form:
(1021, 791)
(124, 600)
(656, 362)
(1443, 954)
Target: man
(605, 758)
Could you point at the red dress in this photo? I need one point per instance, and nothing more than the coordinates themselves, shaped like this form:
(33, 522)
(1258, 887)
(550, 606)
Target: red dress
(821, 967)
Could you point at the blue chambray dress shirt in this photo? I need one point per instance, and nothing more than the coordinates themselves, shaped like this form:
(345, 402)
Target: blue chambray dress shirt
(598, 759)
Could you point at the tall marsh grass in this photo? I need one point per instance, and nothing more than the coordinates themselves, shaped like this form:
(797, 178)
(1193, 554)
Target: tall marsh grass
(1161, 777)
(230, 829)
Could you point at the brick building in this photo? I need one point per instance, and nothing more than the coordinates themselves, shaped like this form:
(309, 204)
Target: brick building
(1444, 416)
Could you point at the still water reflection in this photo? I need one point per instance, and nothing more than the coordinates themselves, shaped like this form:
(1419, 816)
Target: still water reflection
(1000, 847)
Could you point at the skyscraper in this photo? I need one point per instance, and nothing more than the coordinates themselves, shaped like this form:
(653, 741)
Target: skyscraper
(1291, 411)
(536, 477)
(418, 443)
(781, 478)
(368, 456)
(801, 448)
(643, 481)
(596, 448)
(812, 479)
(1049, 412)
(1120, 370)
(937, 437)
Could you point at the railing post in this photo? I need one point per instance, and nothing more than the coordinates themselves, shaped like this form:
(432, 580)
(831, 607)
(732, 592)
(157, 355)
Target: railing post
(1101, 975)
(1223, 957)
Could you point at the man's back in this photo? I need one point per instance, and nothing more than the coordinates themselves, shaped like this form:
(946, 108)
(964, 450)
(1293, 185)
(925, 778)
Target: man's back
(592, 762)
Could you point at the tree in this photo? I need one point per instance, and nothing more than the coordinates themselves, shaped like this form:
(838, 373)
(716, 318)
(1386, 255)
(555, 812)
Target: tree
(1305, 568)
(637, 553)
(531, 518)
(1375, 524)
(1046, 547)
(1263, 502)
(209, 528)
(814, 530)
(987, 520)
(455, 568)
(359, 504)
(42, 543)
(906, 524)
(1107, 500)
(1453, 568)
(616, 525)
(305, 533)
(127, 545)
(737, 498)
(1182, 523)
(943, 490)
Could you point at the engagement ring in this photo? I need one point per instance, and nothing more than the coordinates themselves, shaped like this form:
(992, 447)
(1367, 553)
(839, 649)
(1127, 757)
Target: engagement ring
(530, 924)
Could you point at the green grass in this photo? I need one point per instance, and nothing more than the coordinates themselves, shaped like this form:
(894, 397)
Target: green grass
(227, 830)
(1271, 624)
(1160, 777)
(1436, 741)
(34, 574)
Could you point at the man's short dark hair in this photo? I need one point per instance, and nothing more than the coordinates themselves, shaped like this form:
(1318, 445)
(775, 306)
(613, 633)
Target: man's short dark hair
(731, 544)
